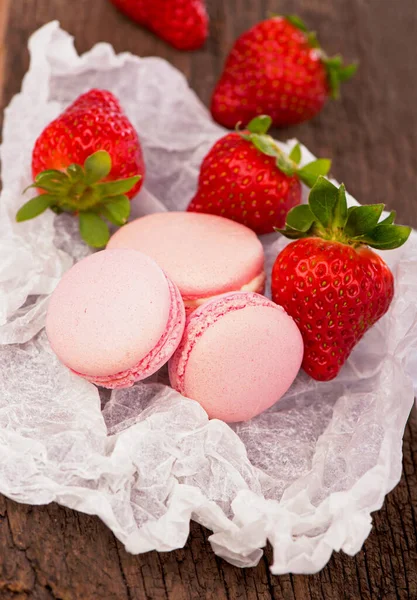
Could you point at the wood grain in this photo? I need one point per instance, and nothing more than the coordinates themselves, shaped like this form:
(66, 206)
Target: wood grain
(4, 11)
(50, 552)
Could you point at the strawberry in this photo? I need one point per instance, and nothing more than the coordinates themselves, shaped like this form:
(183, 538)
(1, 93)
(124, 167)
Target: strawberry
(247, 178)
(181, 23)
(89, 162)
(330, 280)
(278, 68)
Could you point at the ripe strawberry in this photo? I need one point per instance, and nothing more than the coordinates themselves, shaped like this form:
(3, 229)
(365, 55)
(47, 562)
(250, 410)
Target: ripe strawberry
(181, 23)
(247, 178)
(277, 68)
(88, 161)
(332, 284)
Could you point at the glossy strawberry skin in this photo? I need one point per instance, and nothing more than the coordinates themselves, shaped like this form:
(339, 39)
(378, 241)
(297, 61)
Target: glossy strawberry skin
(240, 183)
(181, 23)
(335, 293)
(271, 69)
(95, 121)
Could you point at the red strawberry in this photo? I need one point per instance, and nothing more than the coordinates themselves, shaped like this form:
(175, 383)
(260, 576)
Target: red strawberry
(277, 68)
(89, 162)
(332, 284)
(247, 178)
(181, 23)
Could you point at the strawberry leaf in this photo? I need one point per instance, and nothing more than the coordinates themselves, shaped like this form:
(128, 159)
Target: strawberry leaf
(337, 73)
(312, 39)
(34, 207)
(341, 210)
(51, 187)
(323, 200)
(116, 188)
(300, 218)
(313, 170)
(390, 219)
(285, 165)
(295, 154)
(292, 234)
(297, 22)
(52, 181)
(334, 61)
(51, 175)
(93, 229)
(363, 219)
(75, 172)
(117, 211)
(260, 124)
(386, 236)
(264, 143)
(346, 73)
(97, 167)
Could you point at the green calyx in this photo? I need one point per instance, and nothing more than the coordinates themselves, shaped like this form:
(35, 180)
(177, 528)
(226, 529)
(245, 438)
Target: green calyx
(256, 133)
(83, 190)
(336, 71)
(327, 216)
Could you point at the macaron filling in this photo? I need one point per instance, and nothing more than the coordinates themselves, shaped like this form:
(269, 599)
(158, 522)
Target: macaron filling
(196, 326)
(157, 357)
(257, 285)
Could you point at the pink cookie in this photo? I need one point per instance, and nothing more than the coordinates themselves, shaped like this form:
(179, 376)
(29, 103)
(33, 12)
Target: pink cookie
(115, 318)
(239, 354)
(205, 255)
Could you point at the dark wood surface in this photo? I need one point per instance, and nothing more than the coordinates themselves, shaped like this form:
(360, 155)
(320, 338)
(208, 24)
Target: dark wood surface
(50, 552)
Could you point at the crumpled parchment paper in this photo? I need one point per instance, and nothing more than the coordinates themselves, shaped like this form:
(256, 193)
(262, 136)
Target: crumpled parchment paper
(305, 475)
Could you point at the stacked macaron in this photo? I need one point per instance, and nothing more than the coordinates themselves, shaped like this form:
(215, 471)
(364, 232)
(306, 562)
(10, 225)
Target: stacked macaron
(205, 255)
(119, 315)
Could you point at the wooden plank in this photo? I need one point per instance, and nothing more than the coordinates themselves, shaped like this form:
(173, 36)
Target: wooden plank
(51, 552)
(4, 11)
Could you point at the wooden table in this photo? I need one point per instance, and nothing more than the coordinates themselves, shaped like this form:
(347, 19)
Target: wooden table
(51, 553)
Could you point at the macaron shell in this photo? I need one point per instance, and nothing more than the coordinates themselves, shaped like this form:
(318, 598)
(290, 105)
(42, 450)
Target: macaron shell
(158, 356)
(108, 312)
(205, 255)
(239, 355)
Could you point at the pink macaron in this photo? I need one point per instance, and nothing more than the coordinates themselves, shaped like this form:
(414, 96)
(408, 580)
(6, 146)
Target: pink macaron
(204, 255)
(115, 318)
(239, 354)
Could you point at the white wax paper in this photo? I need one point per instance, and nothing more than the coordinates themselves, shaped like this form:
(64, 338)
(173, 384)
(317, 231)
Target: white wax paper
(305, 475)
